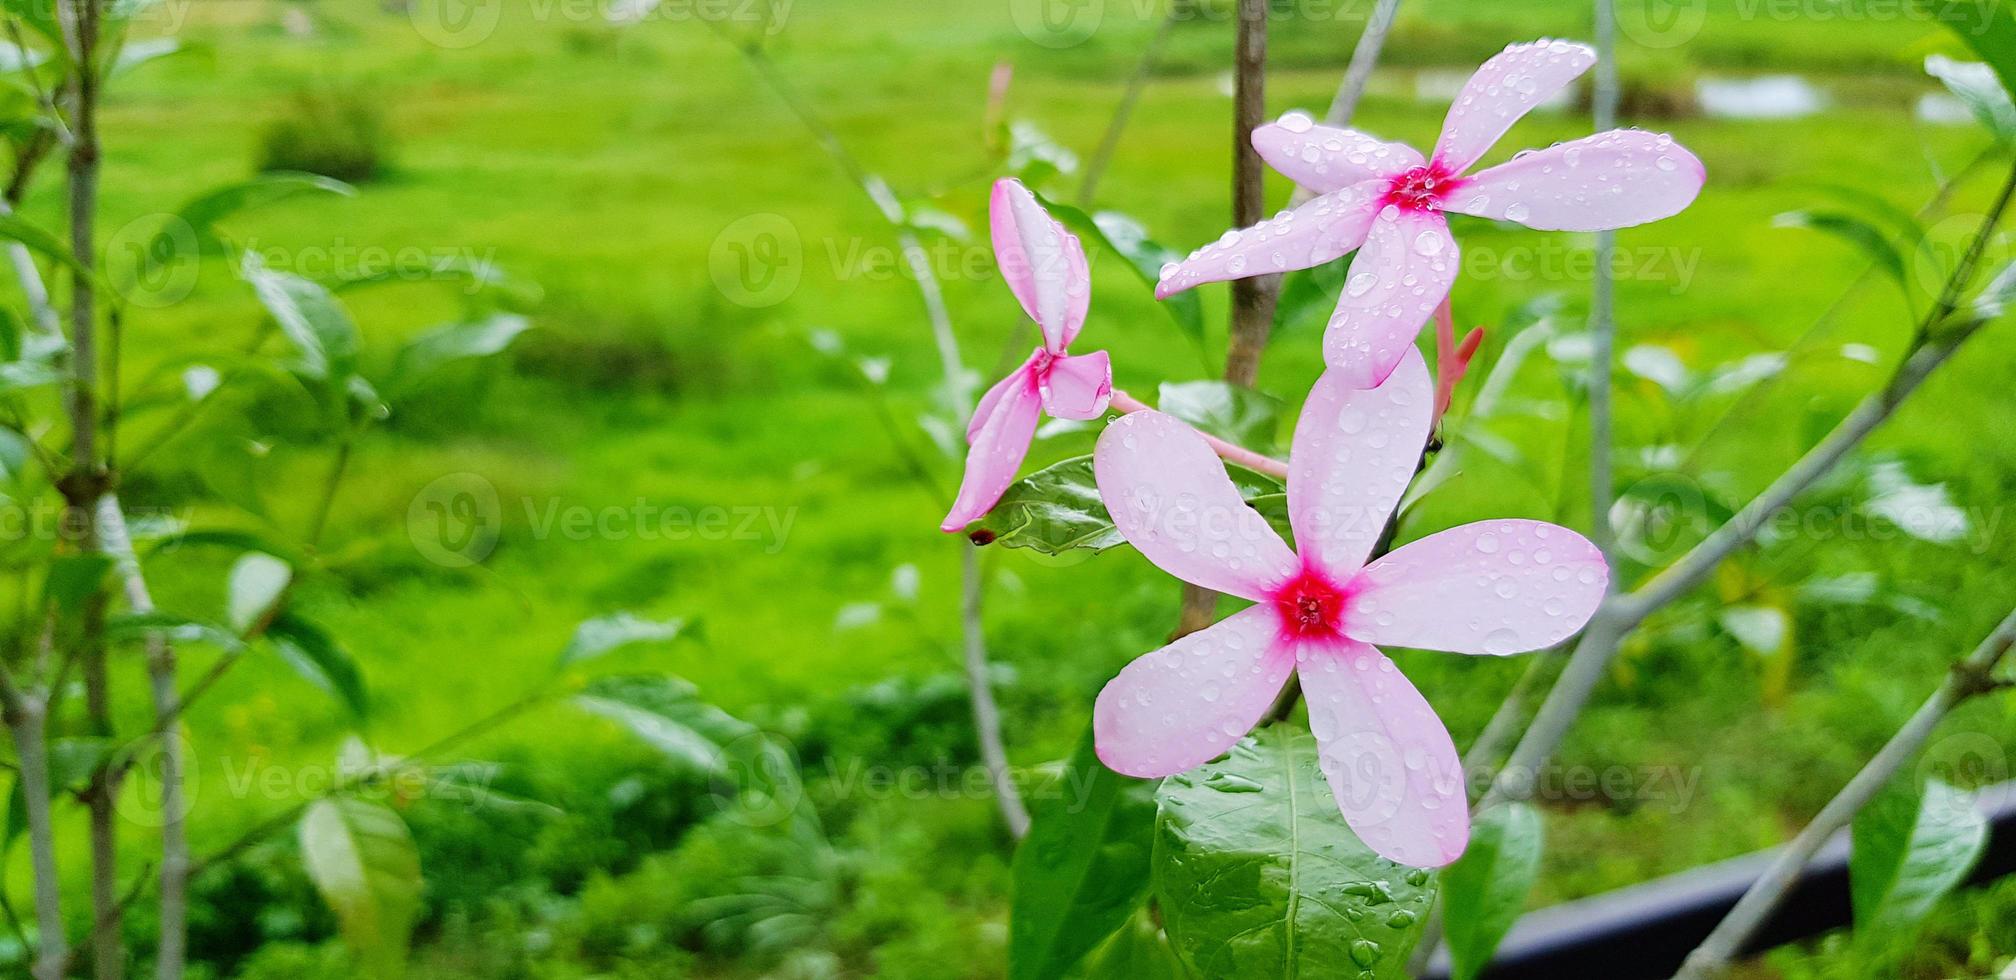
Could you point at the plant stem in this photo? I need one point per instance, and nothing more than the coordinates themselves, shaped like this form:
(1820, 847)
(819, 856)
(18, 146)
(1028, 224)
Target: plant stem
(1127, 404)
(1602, 302)
(986, 714)
(1620, 614)
(27, 720)
(337, 467)
(172, 947)
(1364, 58)
(1966, 679)
(959, 396)
(1096, 168)
(1252, 298)
(108, 948)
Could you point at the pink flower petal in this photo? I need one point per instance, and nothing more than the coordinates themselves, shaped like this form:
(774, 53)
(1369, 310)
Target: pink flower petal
(1616, 179)
(1389, 760)
(1326, 158)
(1078, 387)
(1353, 456)
(997, 452)
(1317, 232)
(1170, 498)
(1505, 88)
(1398, 278)
(985, 410)
(1494, 587)
(1043, 263)
(1185, 704)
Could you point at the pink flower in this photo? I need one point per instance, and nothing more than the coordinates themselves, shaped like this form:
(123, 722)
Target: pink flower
(1494, 587)
(1385, 198)
(1045, 266)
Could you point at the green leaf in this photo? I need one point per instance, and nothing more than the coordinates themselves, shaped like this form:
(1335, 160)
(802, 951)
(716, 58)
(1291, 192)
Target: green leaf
(443, 345)
(194, 224)
(72, 582)
(1910, 848)
(1127, 238)
(1988, 29)
(1234, 413)
(177, 629)
(15, 228)
(1484, 891)
(608, 634)
(1863, 235)
(666, 713)
(1083, 868)
(315, 655)
(235, 539)
(1258, 875)
(1057, 509)
(257, 583)
(310, 316)
(1139, 951)
(1975, 85)
(363, 861)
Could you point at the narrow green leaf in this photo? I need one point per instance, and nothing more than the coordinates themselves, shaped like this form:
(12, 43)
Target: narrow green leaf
(1976, 86)
(1988, 29)
(608, 634)
(254, 589)
(1083, 869)
(666, 713)
(1057, 509)
(1127, 238)
(15, 228)
(443, 345)
(321, 329)
(315, 655)
(1258, 875)
(1484, 891)
(1864, 236)
(129, 627)
(1911, 847)
(1234, 413)
(363, 861)
(194, 224)
(1139, 951)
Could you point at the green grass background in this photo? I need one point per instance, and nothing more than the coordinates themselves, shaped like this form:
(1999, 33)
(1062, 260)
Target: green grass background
(605, 164)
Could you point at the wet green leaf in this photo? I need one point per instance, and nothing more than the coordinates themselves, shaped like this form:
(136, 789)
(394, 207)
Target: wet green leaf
(1484, 891)
(1057, 509)
(1910, 848)
(1234, 413)
(1083, 868)
(363, 861)
(1258, 875)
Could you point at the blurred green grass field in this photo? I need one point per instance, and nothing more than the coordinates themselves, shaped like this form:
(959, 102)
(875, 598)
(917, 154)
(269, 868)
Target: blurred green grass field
(610, 166)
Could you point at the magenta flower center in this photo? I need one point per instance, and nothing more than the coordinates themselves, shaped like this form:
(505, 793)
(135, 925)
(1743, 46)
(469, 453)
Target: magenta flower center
(1422, 188)
(1311, 605)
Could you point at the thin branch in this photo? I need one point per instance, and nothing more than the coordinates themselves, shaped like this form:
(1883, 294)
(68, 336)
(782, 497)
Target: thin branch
(1096, 167)
(1364, 58)
(1252, 298)
(1603, 302)
(1125, 404)
(27, 720)
(959, 396)
(1966, 679)
(1619, 615)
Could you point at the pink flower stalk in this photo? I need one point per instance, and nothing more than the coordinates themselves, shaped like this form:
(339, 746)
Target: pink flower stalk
(1493, 587)
(1045, 267)
(1386, 198)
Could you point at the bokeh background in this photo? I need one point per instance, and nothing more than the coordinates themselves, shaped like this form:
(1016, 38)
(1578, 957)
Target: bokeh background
(729, 409)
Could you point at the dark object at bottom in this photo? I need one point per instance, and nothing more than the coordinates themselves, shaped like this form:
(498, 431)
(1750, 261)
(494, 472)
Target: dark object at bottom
(1644, 932)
